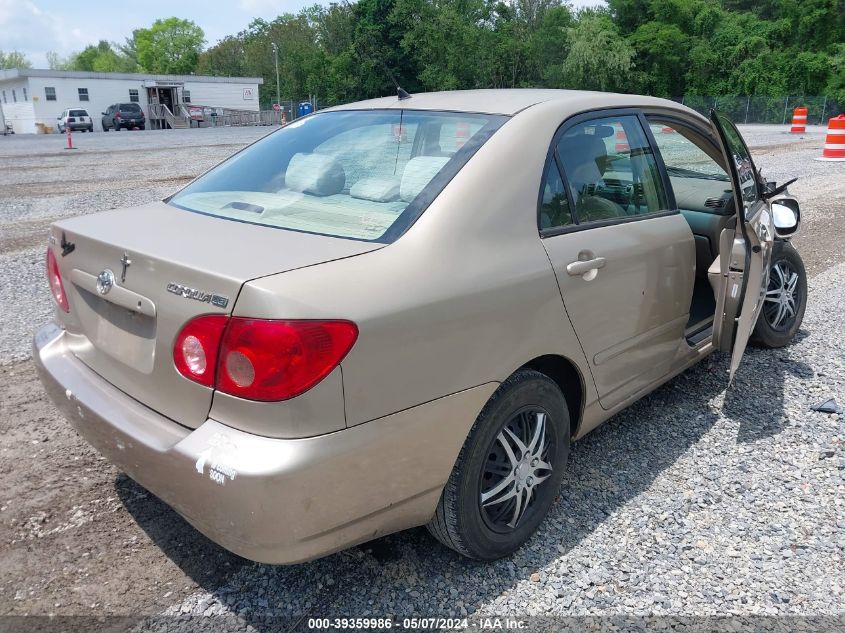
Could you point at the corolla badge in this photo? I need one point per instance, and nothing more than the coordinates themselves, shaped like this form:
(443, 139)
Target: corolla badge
(198, 295)
(105, 281)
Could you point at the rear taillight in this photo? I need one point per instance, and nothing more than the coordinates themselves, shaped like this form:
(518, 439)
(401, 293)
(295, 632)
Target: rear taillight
(261, 359)
(196, 347)
(117, 115)
(55, 279)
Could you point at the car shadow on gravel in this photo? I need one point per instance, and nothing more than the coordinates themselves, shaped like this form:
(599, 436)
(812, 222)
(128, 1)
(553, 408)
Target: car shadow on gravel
(202, 560)
(757, 400)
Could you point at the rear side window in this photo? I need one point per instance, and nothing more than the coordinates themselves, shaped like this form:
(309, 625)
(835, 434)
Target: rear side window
(363, 175)
(610, 170)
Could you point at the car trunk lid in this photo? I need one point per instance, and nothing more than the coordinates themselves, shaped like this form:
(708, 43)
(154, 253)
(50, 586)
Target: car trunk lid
(165, 266)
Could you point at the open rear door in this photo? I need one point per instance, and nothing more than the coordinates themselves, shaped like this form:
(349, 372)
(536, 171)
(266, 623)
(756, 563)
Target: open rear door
(740, 275)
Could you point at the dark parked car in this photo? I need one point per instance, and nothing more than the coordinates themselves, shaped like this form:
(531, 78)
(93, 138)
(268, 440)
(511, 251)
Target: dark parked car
(123, 115)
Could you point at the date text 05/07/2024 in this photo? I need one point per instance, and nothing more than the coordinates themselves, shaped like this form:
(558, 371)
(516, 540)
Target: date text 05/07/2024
(491, 623)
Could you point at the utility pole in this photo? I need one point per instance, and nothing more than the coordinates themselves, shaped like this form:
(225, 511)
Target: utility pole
(278, 89)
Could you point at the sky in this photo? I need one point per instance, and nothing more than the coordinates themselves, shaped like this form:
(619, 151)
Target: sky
(34, 27)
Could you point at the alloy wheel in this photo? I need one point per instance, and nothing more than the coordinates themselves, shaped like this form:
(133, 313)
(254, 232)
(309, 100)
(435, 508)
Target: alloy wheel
(780, 306)
(519, 460)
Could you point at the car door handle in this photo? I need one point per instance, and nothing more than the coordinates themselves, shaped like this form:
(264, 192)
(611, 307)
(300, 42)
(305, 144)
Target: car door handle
(582, 267)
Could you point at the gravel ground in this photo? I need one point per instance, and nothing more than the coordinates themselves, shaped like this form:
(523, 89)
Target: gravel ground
(695, 501)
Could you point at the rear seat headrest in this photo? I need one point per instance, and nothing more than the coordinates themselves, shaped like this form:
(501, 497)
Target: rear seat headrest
(317, 174)
(376, 188)
(418, 173)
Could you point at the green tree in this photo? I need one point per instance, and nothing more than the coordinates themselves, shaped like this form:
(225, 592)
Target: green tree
(57, 62)
(225, 58)
(13, 59)
(599, 58)
(170, 46)
(836, 84)
(661, 58)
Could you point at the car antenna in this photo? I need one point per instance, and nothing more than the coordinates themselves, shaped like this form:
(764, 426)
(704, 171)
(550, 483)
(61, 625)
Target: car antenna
(400, 91)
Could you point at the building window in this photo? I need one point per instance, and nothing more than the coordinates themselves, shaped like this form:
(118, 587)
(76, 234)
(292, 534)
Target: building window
(186, 96)
(133, 96)
(24, 94)
(50, 93)
(14, 96)
(83, 94)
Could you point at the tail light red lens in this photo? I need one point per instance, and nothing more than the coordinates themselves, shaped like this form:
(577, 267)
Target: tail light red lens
(55, 279)
(278, 360)
(259, 359)
(196, 348)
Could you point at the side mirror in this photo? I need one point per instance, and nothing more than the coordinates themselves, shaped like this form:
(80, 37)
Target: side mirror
(786, 216)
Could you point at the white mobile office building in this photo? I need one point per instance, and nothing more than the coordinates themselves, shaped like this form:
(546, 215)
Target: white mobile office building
(31, 96)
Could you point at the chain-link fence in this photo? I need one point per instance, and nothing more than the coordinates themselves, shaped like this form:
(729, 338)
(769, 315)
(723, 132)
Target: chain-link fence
(740, 108)
(758, 109)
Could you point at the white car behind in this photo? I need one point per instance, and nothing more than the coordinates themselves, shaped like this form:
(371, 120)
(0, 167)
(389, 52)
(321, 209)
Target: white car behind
(75, 119)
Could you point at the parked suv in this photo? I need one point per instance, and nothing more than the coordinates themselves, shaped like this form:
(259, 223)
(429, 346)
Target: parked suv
(75, 119)
(123, 115)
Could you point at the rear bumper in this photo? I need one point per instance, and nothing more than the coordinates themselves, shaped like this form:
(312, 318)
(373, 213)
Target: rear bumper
(270, 500)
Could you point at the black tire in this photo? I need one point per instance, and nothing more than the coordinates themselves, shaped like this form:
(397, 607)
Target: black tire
(768, 332)
(460, 522)
(91, 129)
(116, 126)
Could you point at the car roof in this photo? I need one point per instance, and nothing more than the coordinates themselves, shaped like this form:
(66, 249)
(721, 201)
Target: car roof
(509, 101)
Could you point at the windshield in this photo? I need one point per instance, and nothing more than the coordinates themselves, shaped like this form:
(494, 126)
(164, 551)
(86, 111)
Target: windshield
(130, 107)
(356, 174)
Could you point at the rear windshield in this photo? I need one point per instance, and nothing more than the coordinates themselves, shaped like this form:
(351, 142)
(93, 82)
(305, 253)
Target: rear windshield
(363, 175)
(130, 107)
(78, 113)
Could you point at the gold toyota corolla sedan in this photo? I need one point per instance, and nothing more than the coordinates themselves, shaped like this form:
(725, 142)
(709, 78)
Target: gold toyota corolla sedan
(401, 312)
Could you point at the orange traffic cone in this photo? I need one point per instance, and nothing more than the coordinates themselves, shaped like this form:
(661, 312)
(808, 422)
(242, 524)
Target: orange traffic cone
(834, 144)
(69, 141)
(799, 120)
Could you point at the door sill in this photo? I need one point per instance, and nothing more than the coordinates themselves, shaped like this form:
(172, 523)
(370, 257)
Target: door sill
(700, 332)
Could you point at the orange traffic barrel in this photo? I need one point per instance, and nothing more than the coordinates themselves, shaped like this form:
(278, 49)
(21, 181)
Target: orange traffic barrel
(799, 120)
(834, 144)
(622, 141)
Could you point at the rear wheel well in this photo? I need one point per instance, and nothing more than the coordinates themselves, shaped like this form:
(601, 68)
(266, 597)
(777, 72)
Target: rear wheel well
(564, 372)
